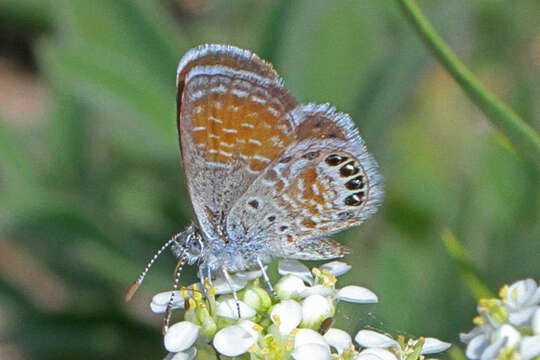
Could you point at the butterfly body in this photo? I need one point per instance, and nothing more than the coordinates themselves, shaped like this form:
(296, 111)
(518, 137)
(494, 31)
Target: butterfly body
(267, 177)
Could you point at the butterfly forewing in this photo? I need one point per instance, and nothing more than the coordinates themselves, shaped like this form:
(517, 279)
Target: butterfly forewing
(234, 119)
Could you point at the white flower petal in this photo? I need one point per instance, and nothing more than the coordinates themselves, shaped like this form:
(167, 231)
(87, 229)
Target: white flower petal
(295, 267)
(233, 341)
(433, 346)
(466, 337)
(508, 332)
(289, 313)
(161, 300)
(530, 347)
(229, 309)
(337, 268)
(520, 293)
(535, 300)
(315, 309)
(308, 336)
(181, 336)
(316, 290)
(289, 286)
(249, 326)
(222, 286)
(373, 339)
(338, 339)
(311, 352)
(186, 355)
(250, 275)
(535, 322)
(375, 354)
(476, 347)
(357, 294)
(492, 351)
(521, 317)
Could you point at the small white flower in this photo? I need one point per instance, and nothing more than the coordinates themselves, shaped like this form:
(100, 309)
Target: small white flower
(308, 336)
(250, 275)
(233, 341)
(229, 309)
(522, 317)
(296, 268)
(289, 286)
(250, 327)
(530, 347)
(161, 300)
(375, 354)
(287, 314)
(181, 336)
(316, 309)
(492, 351)
(222, 286)
(311, 352)
(476, 347)
(433, 346)
(373, 339)
(336, 268)
(338, 339)
(357, 294)
(535, 322)
(522, 294)
(509, 333)
(316, 290)
(183, 355)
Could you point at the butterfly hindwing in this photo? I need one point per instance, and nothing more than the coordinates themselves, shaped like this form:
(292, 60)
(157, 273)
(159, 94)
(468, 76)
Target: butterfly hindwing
(323, 182)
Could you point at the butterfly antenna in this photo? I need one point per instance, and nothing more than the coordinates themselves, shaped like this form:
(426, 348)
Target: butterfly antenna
(168, 311)
(133, 288)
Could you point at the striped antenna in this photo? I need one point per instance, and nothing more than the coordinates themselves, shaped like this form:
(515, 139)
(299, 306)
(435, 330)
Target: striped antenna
(133, 288)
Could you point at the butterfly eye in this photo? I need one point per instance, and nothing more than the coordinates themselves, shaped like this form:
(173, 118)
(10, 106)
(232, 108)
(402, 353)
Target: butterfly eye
(355, 199)
(349, 169)
(356, 183)
(334, 159)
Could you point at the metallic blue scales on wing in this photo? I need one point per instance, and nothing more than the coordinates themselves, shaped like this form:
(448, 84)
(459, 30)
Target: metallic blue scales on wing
(267, 177)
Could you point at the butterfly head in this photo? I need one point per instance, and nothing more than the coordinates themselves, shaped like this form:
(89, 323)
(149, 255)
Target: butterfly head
(190, 244)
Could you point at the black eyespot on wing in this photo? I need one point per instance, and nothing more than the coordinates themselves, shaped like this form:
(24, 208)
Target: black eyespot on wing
(311, 155)
(356, 183)
(271, 218)
(285, 160)
(254, 204)
(355, 199)
(335, 159)
(349, 169)
(283, 228)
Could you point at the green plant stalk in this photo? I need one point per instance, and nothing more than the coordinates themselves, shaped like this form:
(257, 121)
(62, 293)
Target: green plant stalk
(523, 136)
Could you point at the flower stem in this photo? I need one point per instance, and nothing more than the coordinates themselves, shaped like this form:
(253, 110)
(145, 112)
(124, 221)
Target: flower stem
(523, 136)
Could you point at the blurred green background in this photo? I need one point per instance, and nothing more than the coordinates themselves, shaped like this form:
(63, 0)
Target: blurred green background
(91, 183)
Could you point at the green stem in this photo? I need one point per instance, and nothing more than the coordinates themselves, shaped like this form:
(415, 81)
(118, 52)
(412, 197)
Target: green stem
(523, 136)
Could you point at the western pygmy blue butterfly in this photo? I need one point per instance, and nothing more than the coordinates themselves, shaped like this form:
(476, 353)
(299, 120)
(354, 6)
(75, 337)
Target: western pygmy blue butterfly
(268, 177)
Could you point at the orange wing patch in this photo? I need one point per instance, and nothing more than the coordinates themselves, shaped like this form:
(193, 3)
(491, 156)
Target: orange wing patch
(237, 120)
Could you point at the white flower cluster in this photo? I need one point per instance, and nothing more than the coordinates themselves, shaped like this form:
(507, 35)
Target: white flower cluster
(507, 327)
(298, 326)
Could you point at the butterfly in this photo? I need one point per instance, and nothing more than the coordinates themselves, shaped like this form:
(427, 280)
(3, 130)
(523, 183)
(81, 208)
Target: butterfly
(267, 177)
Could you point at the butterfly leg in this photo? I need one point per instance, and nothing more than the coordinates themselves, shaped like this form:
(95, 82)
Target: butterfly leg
(235, 295)
(168, 311)
(266, 278)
